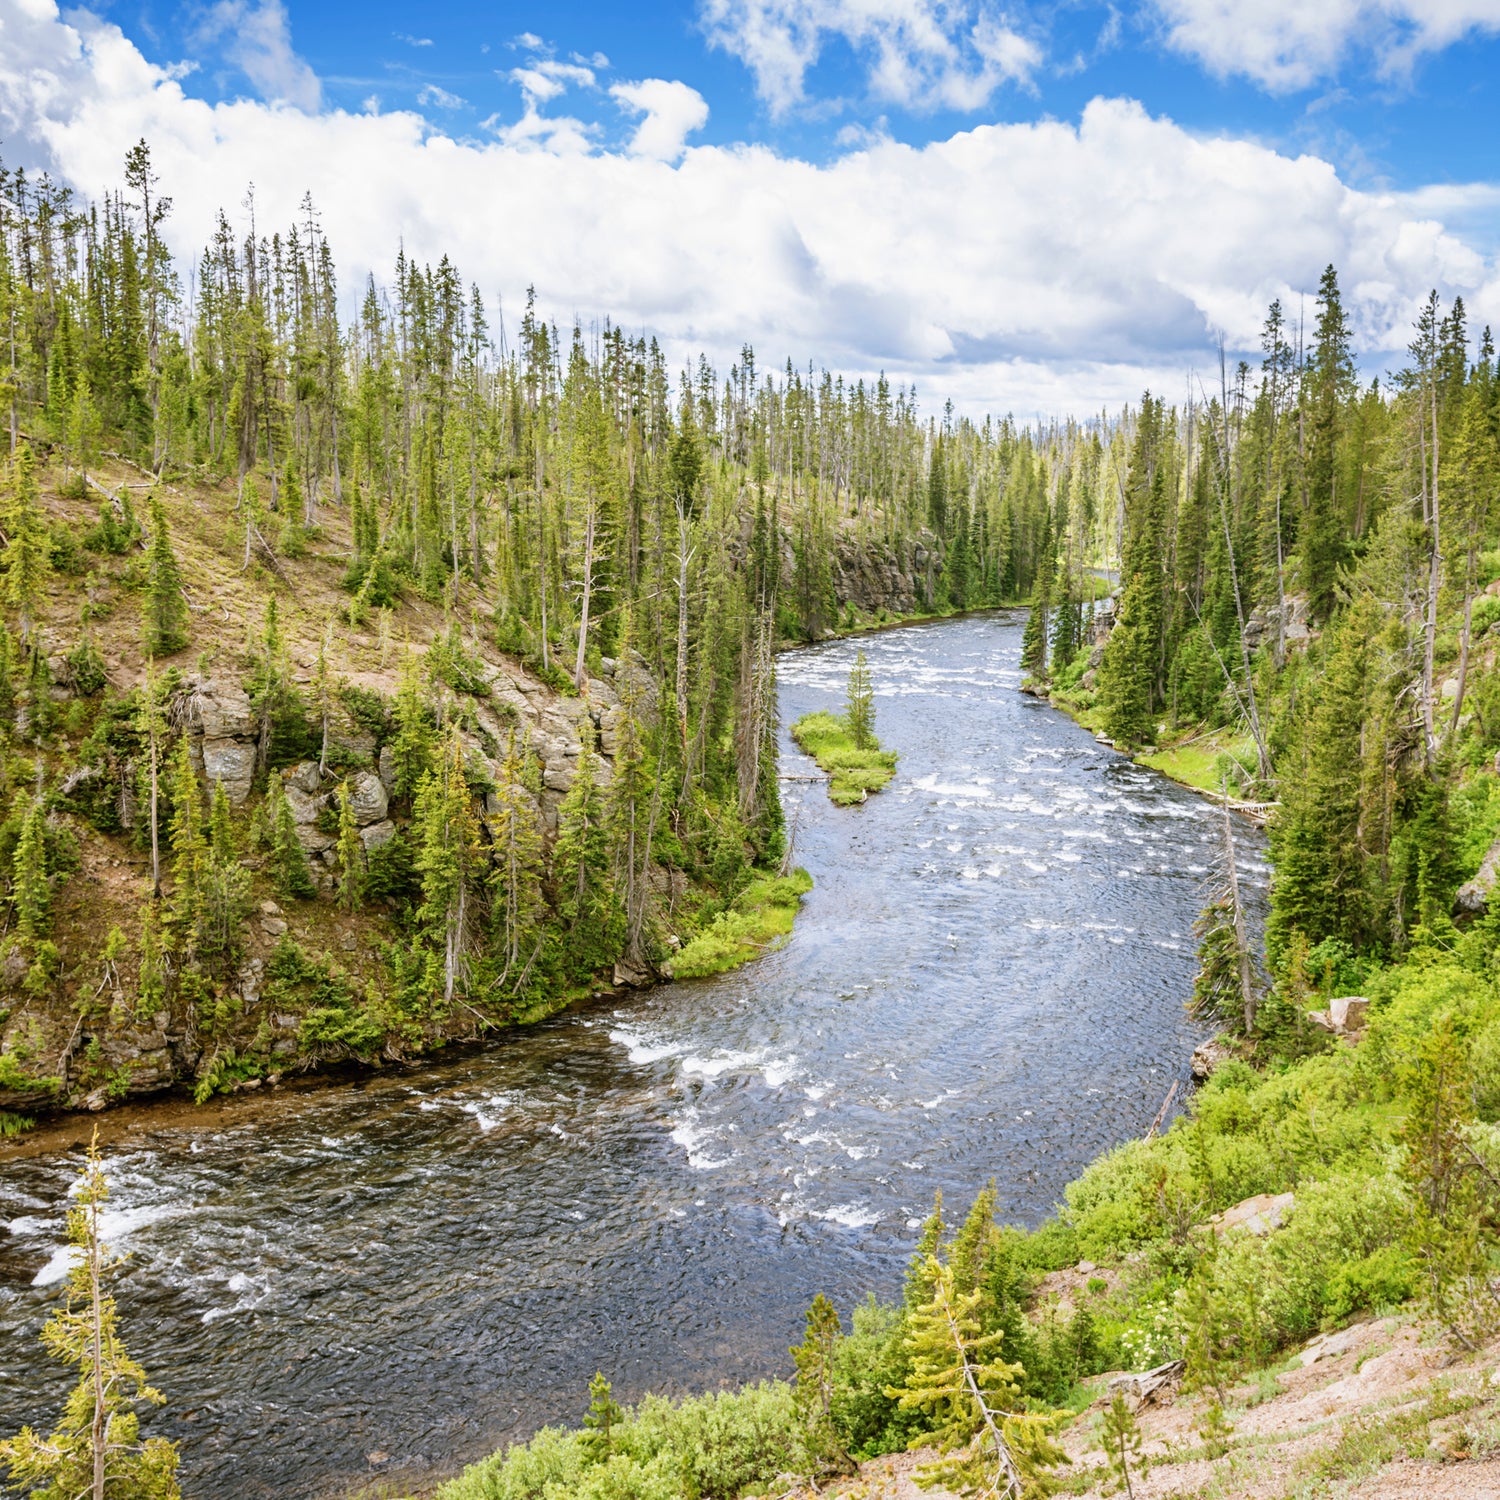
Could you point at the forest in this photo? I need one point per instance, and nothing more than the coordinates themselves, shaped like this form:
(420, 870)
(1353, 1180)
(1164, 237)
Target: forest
(374, 675)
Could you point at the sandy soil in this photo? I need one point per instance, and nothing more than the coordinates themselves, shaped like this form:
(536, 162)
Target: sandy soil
(1381, 1411)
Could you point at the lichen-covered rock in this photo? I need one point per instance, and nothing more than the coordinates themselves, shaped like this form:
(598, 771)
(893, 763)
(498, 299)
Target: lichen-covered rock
(313, 839)
(305, 808)
(387, 770)
(305, 777)
(231, 762)
(219, 709)
(377, 835)
(368, 801)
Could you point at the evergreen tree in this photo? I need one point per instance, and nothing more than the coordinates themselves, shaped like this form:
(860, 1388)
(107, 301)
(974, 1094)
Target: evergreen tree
(1121, 1440)
(31, 891)
(1319, 886)
(289, 871)
(223, 896)
(967, 1392)
(188, 843)
(815, 1385)
(96, 1449)
(859, 705)
(166, 610)
(28, 551)
(151, 982)
(1130, 671)
(587, 903)
(411, 744)
(600, 1420)
(350, 853)
(519, 900)
(448, 857)
(1330, 378)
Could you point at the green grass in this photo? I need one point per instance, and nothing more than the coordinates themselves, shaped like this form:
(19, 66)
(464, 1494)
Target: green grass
(852, 773)
(760, 920)
(1204, 761)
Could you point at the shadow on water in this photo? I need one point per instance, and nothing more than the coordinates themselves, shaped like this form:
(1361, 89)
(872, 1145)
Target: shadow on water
(393, 1276)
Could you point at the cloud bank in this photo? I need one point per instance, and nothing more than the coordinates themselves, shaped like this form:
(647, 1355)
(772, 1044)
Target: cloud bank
(1292, 44)
(1048, 268)
(919, 54)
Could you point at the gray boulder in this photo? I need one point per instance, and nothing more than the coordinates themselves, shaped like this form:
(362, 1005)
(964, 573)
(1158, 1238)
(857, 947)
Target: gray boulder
(304, 776)
(367, 798)
(377, 835)
(232, 763)
(305, 808)
(220, 709)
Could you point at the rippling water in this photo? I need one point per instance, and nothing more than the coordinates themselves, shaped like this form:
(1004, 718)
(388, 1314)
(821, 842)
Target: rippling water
(393, 1276)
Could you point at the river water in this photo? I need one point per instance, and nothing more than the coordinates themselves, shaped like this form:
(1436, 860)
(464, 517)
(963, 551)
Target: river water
(389, 1277)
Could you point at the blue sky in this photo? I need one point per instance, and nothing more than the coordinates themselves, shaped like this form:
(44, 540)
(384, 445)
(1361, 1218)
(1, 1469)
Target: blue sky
(1403, 126)
(1036, 208)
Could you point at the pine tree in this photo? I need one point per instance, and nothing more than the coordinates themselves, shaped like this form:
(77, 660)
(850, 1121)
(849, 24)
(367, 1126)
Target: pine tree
(859, 706)
(411, 744)
(151, 983)
(1330, 378)
(83, 431)
(7, 674)
(150, 724)
(600, 1421)
(289, 871)
(223, 884)
(448, 858)
(1450, 1231)
(1034, 637)
(166, 610)
(350, 853)
(31, 892)
(293, 537)
(189, 846)
(519, 898)
(965, 1389)
(96, 1450)
(1130, 668)
(1319, 882)
(1121, 1440)
(40, 711)
(28, 551)
(814, 1361)
(587, 902)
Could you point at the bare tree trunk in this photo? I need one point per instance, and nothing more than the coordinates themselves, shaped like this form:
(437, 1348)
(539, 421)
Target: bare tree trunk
(684, 557)
(1463, 643)
(1434, 580)
(155, 835)
(588, 590)
(99, 1436)
(1241, 943)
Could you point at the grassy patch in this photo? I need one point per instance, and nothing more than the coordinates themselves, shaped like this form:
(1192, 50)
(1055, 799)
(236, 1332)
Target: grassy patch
(761, 919)
(1205, 761)
(852, 773)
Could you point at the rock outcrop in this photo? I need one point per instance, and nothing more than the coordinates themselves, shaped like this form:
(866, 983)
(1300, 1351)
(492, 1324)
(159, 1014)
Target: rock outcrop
(1473, 895)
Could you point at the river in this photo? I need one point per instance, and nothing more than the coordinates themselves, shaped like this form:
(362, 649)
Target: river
(389, 1277)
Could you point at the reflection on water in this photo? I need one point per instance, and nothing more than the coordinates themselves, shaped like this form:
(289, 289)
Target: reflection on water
(393, 1276)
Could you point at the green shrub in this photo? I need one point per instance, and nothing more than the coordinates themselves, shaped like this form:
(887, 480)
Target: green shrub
(705, 1448)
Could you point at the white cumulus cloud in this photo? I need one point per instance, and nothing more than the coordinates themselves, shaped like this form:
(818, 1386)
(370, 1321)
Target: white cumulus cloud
(672, 110)
(1039, 268)
(1293, 44)
(919, 54)
(430, 94)
(256, 36)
